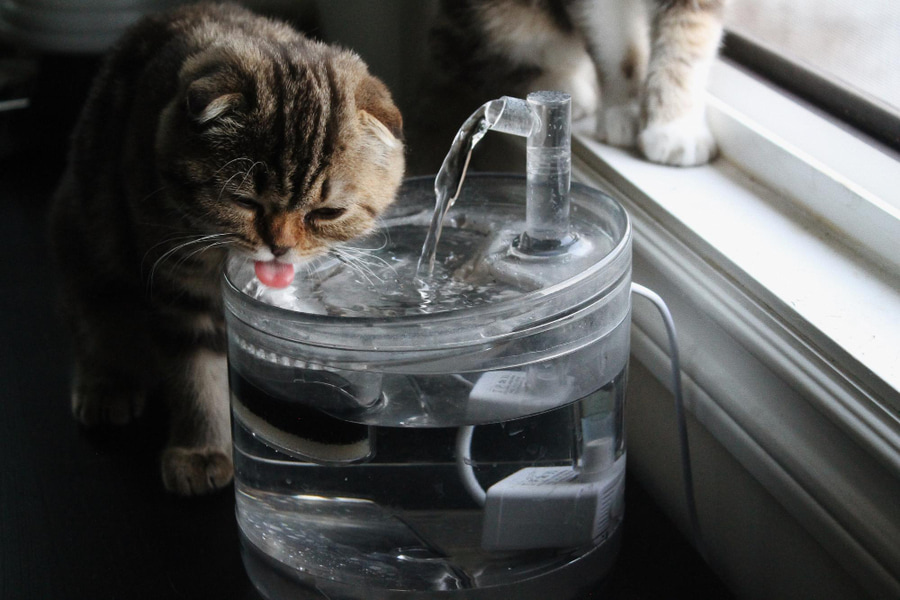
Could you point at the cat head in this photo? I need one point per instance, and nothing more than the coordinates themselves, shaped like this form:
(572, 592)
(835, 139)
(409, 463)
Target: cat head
(290, 146)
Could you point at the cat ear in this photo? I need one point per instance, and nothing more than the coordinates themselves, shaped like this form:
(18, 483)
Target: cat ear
(374, 99)
(209, 98)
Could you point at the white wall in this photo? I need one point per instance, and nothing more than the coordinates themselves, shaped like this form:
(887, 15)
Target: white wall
(756, 547)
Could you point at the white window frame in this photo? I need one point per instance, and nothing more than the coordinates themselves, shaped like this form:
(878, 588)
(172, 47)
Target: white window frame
(780, 260)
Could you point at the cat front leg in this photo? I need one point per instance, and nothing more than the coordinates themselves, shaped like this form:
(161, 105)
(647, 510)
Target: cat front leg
(197, 458)
(685, 39)
(616, 36)
(111, 381)
(101, 397)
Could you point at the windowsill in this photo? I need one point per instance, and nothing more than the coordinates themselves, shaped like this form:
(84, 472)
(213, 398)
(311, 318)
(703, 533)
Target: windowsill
(844, 303)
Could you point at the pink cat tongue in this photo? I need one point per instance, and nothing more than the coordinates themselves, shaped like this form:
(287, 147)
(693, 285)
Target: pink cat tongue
(274, 274)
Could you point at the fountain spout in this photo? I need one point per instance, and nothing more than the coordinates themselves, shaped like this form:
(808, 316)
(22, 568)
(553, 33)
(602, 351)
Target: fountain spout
(545, 118)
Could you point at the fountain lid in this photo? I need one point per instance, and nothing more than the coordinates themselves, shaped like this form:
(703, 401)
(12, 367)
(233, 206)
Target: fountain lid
(486, 293)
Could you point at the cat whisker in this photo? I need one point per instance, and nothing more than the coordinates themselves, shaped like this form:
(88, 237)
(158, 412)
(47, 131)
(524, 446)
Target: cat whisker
(209, 246)
(382, 228)
(214, 244)
(150, 250)
(189, 219)
(192, 238)
(250, 172)
(225, 185)
(211, 238)
(154, 192)
(361, 265)
(349, 262)
(361, 254)
(385, 241)
(233, 160)
(363, 251)
(364, 273)
(354, 262)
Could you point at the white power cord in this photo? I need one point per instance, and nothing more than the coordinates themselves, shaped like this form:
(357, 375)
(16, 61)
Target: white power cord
(464, 464)
(685, 451)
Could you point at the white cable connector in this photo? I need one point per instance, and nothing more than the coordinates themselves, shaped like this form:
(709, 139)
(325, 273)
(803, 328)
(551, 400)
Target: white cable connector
(532, 390)
(553, 507)
(548, 507)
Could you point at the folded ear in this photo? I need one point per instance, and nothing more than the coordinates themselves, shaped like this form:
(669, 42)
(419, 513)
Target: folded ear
(214, 87)
(205, 103)
(373, 98)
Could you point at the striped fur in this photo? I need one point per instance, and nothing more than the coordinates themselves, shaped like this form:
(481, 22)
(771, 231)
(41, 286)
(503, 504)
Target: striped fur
(209, 130)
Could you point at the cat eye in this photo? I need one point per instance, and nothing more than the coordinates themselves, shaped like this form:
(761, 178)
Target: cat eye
(325, 214)
(245, 202)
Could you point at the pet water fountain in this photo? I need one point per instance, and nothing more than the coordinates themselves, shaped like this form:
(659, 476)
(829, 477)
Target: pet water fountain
(437, 411)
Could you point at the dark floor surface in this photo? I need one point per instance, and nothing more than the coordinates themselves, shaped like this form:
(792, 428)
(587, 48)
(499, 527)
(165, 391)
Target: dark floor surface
(83, 514)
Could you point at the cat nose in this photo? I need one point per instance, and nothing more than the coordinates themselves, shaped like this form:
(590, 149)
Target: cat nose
(280, 250)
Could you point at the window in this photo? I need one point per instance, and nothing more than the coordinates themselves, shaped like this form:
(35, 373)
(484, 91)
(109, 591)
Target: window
(843, 55)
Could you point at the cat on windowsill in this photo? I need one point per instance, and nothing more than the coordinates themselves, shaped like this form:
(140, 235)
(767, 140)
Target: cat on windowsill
(639, 66)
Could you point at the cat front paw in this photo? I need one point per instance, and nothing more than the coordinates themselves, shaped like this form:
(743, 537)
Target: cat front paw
(618, 125)
(195, 471)
(684, 142)
(97, 403)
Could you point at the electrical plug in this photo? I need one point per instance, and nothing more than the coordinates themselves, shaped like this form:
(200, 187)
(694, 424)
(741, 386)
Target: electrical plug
(555, 507)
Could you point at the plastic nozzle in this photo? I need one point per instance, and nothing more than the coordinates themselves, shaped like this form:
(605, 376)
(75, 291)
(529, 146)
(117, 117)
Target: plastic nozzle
(548, 172)
(510, 115)
(545, 118)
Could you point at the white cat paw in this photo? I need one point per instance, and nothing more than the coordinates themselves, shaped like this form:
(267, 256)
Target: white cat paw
(195, 471)
(684, 142)
(618, 125)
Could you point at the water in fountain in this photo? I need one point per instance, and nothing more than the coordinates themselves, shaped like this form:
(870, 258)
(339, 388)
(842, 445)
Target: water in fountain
(382, 281)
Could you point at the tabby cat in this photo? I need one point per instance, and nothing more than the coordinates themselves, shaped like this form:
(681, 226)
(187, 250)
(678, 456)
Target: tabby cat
(651, 59)
(209, 130)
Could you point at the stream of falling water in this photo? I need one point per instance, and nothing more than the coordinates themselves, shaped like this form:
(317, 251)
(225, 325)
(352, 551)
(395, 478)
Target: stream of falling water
(448, 184)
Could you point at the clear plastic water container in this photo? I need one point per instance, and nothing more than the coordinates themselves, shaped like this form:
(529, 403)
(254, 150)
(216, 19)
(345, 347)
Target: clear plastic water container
(458, 436)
